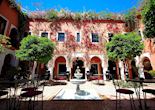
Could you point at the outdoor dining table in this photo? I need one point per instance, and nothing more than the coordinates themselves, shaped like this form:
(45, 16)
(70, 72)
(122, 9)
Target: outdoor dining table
(13, 100)
(138, 86)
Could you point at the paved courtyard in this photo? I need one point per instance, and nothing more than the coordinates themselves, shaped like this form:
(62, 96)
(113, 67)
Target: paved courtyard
(105, 90)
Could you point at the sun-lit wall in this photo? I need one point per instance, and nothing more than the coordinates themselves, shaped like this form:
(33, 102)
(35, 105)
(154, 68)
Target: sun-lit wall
(10, 14)
(70, 28)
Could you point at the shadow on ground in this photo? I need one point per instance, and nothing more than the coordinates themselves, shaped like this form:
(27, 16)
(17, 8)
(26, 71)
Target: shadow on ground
(54, 83)
(80, 105)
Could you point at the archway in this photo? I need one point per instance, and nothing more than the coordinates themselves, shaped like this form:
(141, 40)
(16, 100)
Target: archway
(7, 66)
(80, 63)
(60, 67)
(134, 69)
(112, 69)
(96, 69)
(147, 64)
(147, 67)
(14, 38)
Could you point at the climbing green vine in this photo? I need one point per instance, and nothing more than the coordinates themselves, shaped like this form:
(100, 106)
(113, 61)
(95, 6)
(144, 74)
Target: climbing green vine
(13, 4)
(67, 14)
(130, 18)
(148, 12)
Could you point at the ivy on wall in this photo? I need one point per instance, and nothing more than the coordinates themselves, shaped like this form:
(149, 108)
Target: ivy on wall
(130, 18)
(23, 18)
(13, 4)
(148, 14)
(67, 14)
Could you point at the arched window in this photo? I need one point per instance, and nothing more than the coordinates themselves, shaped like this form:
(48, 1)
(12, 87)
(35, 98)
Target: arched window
(14, 38)
(3, 23)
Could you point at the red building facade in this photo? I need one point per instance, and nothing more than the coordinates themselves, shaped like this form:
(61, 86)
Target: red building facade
(9, 23)
(78, 41)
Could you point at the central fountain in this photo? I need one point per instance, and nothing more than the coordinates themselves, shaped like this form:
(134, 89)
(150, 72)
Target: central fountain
(88, 93)
(78, 81)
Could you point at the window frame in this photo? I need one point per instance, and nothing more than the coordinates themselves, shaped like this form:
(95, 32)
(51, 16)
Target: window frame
(77, 36)
(7, 23)
(64, 37)
(91, 34)
(44, 36)
(40, 32)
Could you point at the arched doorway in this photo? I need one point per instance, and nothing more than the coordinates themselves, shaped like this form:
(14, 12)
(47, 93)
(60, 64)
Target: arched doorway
(147, 64)
(80, 63)
(7, 66)
(147, 67)
(60, 67)
(134, 69)
(14, 38)
(96, 68)
(112, 69)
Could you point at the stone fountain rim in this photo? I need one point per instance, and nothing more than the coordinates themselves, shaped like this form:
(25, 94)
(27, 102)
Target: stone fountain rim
(78, 81)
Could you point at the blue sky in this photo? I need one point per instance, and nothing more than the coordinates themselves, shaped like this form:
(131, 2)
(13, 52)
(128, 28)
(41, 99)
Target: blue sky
(80, 5)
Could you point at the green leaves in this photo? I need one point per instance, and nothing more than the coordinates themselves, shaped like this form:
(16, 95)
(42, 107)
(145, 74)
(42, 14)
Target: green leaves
(51, 14)
(67, 14)
(4, 42)
(34, 48)
(130, 18)
(148, 12)
(123, 47)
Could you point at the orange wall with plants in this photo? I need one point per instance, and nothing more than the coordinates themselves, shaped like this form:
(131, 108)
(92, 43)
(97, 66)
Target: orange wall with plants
(10, 13)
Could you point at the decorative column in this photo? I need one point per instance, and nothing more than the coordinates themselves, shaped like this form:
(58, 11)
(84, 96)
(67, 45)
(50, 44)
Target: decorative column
(87, 69)
(87, 72)
(140, 66)
(51, 72)
(68, 72)
(50, 66)
(104, 65)
(141, 71)
(137, 58)
(105, 68)
(121, 65)
(68, 66)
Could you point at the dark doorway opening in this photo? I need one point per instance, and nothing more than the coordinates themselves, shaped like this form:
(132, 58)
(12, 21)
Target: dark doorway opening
(112, 69)
(14, 38)
(7, 68)
(78, 63)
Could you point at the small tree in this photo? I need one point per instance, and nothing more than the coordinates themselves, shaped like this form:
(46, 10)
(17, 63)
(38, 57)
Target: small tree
(148, 12)
(4, 42)
(35, 49)
(125, 48)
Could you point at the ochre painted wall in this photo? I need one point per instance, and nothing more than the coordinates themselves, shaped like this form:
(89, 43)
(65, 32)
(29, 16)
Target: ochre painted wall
(10, 13)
